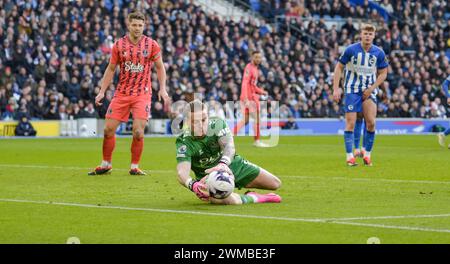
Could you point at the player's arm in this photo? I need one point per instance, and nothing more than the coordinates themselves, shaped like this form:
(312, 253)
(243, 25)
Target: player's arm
(245, 84)
(260, 90)
(382, 69)
(161, 73)
(381, 76)
(109, 73)
(106, 81)
(337, 92)
(226, 143)
(183, 170)
(198, 187)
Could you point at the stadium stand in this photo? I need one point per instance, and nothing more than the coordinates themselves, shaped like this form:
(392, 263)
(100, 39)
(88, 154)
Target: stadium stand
(53, 54)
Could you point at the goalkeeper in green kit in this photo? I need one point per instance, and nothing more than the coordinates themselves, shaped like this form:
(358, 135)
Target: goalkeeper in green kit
(207, 145)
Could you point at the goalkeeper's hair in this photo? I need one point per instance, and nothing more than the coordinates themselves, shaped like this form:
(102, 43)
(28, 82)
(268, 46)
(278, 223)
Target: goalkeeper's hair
(193, 107)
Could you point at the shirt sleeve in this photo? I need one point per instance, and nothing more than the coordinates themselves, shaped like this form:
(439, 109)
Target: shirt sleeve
(224, 130)
(382, 61)
(246, 79)
(183, 151)
(156, 51)
(115, 58)
(346, 56)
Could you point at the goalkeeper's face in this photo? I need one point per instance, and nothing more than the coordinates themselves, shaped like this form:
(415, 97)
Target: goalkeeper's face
(199, 123)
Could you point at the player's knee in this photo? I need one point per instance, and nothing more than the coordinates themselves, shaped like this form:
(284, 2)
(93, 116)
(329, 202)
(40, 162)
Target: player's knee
(138, 133)
(370, 125)
(275, 184)
(109, 131)
(349, 127)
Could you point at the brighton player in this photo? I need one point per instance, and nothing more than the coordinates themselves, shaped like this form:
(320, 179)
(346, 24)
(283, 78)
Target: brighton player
(135, 54)
(365, 69)
(207, 145)
(446, 89)
(249, 99)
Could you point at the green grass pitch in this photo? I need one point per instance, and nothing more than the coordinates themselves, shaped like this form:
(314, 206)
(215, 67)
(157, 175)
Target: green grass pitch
(47, 197)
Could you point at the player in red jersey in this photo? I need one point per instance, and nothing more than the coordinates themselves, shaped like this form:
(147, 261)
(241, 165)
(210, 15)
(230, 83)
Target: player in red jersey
(249, 99)
(135, 54)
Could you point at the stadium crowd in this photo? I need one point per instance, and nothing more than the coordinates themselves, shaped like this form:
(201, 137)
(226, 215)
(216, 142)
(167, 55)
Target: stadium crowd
(53, 55)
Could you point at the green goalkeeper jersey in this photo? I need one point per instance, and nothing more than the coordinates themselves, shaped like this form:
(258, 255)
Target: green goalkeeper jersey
(203, 153)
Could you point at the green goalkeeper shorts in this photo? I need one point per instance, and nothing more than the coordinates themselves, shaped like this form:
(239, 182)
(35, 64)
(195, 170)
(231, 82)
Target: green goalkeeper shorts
(244, 171)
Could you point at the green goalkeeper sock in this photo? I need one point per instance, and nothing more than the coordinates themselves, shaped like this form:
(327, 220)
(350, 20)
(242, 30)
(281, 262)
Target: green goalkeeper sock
(247, 199)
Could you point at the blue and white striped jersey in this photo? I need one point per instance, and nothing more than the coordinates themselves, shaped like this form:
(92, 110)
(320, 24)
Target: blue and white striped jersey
(361, 67)
(446, 86)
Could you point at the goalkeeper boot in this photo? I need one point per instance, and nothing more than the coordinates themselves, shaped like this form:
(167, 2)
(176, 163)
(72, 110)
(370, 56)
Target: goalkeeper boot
(265, 198)
(101, 170)
(137, 171)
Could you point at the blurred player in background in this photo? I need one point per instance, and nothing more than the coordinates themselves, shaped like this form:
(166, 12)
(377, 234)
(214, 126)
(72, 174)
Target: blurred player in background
(446, 89)
(365, 69)
(249, 99)
(135, 54)
(207, 145)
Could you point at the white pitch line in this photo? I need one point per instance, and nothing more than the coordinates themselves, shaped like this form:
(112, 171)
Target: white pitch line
(409, 228)
(309, 220)
(284, 176)
(387, 217)
(367, 179)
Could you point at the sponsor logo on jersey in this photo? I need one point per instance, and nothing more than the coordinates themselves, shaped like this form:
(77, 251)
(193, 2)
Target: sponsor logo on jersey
(181, 152)
(133, 68)
(182, 149)
(145, 53)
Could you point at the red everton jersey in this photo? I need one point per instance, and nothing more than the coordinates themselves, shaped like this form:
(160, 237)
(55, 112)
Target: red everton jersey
(249, 89)
(135, 61)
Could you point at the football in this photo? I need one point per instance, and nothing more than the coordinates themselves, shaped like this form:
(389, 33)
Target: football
(220, 184)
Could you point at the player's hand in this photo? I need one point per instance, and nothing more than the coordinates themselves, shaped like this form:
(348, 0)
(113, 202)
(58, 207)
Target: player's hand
(165, 96)
(448, 101)
(220, 167)
(201, 190)
(99, 98)
(337, 95)
(367, 93)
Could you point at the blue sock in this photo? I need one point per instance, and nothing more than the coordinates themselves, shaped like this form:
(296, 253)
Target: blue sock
(447, 132)
(364, 135)
(348, 138)
(357, 132)
(370, 140)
